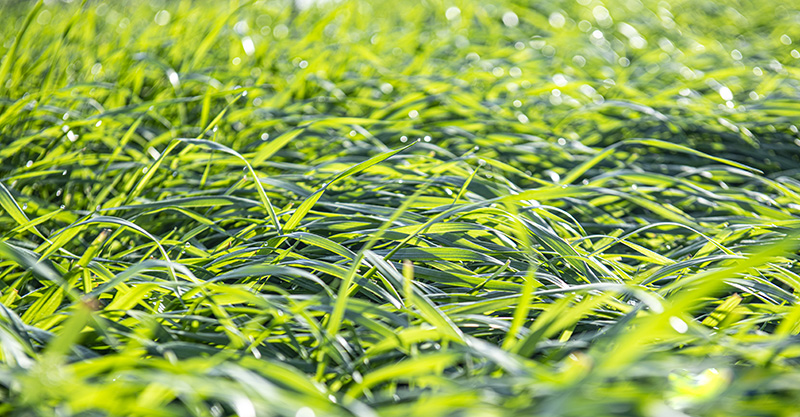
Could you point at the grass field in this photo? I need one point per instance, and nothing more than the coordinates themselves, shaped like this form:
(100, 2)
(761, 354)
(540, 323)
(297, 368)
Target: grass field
(379, 208)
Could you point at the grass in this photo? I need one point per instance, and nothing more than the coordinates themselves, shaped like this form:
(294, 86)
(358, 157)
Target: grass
(371, 208)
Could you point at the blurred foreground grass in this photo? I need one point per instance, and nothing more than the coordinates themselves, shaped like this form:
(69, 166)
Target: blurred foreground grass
(381, 208)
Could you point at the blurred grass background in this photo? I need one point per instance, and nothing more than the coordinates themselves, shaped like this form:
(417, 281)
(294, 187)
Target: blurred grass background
(380, 208)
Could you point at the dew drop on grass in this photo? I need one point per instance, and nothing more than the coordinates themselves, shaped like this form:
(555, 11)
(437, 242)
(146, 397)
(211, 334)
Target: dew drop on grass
(248, 45)
(162, 18)
(452, 13)
(44, 17)
(174, 79)
(357, 378)
(64, 172)
(600, 13)
(679, 325)
(144, 170)
(557, 20)
(510, 19)
(638, 42)
(62, 206)
(264, 136)
(726, 93)
(25, 206)
(413, 114)
(404, 139)
(29, 164)
(58, 193)
(427, 138)
(280, 31)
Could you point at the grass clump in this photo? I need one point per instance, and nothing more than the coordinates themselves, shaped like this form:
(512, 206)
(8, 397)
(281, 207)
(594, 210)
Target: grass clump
(365, 208)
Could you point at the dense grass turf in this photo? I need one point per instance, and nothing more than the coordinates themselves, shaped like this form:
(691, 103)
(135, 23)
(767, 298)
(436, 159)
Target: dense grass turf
(399, 208)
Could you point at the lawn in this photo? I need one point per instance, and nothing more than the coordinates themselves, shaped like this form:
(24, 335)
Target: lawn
(381, 208)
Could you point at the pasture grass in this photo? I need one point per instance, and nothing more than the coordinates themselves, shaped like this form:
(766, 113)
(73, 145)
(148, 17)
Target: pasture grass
(399, 208)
